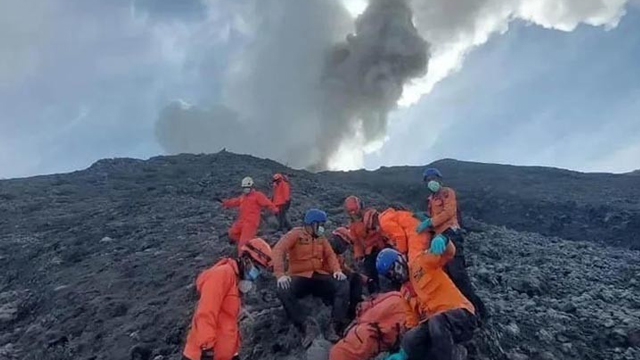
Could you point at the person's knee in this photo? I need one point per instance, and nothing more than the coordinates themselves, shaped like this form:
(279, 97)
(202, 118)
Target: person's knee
(438, 328)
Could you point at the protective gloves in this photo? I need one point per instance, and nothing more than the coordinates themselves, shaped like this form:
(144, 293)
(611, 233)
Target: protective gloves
(421, 215)
(424, 225)
(438, 244)
(284, 282)
(400, 355)
(340, 276)
(206, 354)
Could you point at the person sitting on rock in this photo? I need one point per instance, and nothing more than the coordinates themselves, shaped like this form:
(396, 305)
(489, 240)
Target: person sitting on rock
(282, 199)
(340, 242)
(250, 204)
(442, 217)
(448, 318)
(313, 269)
(381, 321)
(214, 332)
(367, 241)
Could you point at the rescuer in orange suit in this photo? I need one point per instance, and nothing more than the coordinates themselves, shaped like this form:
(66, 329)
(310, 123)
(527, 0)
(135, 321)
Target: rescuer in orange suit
(380, 324)
(214, 332)
(313, 269)
(448, 317)
(443, 217)
(250, 204)
(367, 240)
(282, 199)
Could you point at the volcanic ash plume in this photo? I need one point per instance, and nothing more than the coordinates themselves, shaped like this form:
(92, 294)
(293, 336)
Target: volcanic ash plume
(364, 76)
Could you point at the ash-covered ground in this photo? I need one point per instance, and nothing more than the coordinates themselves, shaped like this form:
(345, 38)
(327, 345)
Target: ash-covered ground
(97, 262)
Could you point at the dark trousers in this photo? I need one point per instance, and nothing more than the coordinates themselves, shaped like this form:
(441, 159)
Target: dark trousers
(435, 338)
(373, 286)
(457, 271)
(283, 219)
(325, 287)
(355, 294)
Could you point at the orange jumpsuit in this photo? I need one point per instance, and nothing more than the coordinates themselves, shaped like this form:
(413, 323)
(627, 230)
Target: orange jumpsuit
(380, 323)
(306, 255)
(443, 210)
(215, 321)
(281, 192)
(248, 222)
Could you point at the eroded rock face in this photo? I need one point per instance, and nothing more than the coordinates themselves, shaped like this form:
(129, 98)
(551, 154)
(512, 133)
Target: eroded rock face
(101, 262)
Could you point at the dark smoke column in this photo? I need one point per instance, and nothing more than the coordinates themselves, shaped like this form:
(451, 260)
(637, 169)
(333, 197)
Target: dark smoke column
(364, 76)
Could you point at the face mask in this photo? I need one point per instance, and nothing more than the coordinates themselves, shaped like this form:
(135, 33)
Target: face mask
(320, 230)
(245, 286)
(246, 190)
(433, 186)
(252, 274)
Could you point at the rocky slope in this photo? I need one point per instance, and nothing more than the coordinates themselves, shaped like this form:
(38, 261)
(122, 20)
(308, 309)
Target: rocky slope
(604, 208)
(97, 262)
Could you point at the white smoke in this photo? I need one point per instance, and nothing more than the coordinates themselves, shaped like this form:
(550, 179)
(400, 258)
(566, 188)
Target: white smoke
(295, 106)
(455, 27)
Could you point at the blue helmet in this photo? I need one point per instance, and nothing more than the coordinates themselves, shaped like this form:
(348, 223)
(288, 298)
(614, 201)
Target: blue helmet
(428, 172)
(385, 260)
(315, 216)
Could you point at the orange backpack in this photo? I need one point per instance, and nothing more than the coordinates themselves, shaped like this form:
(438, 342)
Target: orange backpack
(383, 317)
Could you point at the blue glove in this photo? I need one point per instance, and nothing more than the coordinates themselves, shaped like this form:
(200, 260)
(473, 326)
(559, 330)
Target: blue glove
(421, 215)
(400, 355)
(438, 244)
(424, 225)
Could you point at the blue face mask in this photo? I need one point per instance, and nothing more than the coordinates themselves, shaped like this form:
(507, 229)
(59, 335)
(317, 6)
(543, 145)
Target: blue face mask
(252, 274)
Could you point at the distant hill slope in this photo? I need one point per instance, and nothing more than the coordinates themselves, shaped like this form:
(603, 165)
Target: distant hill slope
(578, 206)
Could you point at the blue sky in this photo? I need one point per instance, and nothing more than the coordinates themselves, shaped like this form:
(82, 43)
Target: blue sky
(87, 79)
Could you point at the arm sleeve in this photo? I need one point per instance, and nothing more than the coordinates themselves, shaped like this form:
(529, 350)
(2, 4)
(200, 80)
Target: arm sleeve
(330, 257)
(212, 295)
(264, 201)
(417, 244)
(280, 250)
(449, 211)
(356, 233)
(233, 202)
(433, 261)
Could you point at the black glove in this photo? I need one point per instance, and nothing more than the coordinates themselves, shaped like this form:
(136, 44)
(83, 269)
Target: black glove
(206, 354)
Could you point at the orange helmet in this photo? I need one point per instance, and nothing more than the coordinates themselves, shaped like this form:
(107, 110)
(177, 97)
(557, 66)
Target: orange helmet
(370, 218)
(277, 177)
(258, 250)
(352, 205)
(344, 234)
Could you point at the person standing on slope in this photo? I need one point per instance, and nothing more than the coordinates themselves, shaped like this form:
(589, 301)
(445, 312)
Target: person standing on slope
(313, 270)
(367, 240)
(250, 204)
(442, 218)
(214, 332)
(448, 318)
(282, 199)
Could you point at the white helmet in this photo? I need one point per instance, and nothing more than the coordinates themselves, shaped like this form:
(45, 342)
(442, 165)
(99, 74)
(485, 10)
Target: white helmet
(247, 182)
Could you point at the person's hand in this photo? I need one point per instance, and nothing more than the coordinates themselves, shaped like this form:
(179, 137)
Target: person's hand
(284, 282)
(424, 225)
(340, 276)
(207, 354)
(438, 244)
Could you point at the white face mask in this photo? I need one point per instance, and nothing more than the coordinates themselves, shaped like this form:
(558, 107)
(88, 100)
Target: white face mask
(246, 190)
(245, 286)
(320, 230)
(433, 186)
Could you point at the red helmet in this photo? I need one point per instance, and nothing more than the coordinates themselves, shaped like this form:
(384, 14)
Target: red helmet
(277, 177)
(352, 205)
(258, 250)
(344, 234)
(370, 218)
